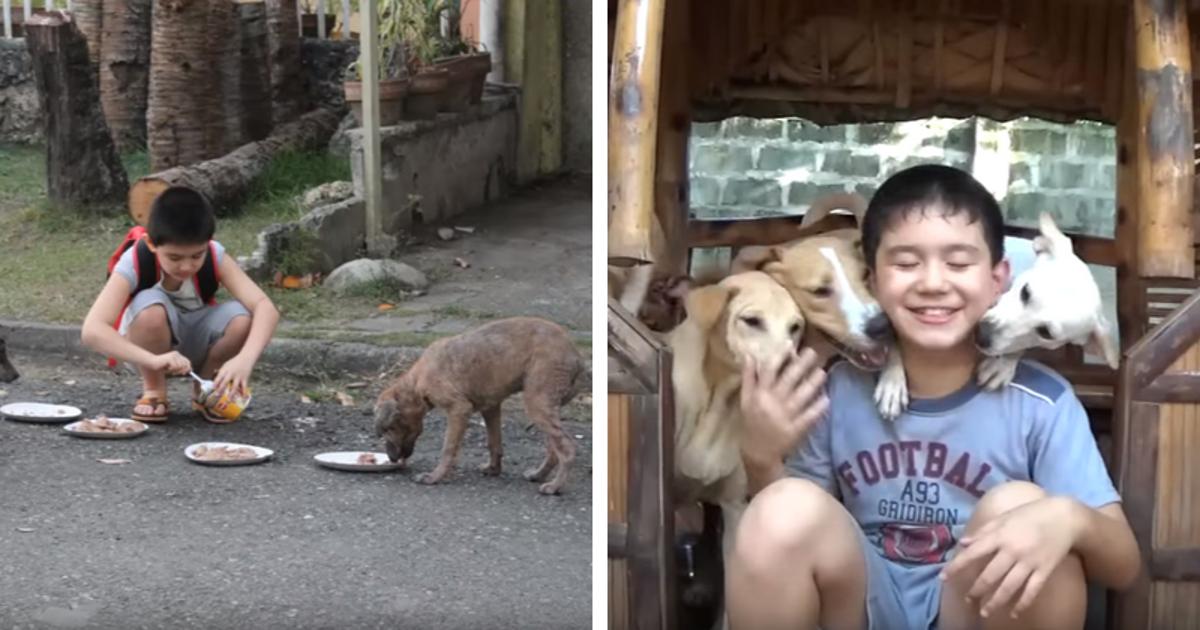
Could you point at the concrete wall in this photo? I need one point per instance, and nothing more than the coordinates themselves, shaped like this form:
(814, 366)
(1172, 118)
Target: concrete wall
(434, 170)
(577, 86)
(749, 167)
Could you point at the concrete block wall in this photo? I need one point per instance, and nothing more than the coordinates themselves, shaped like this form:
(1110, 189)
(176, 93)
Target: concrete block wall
(744, 167)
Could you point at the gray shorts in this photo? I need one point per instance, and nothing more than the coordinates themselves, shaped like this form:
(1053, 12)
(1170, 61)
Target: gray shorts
(900, 596)
(194, 332)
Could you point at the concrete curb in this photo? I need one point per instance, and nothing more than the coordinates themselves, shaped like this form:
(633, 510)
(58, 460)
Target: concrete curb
(283, 353)
(296, 355)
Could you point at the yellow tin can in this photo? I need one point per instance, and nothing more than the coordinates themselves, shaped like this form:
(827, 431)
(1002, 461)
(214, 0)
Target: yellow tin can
(227, 403)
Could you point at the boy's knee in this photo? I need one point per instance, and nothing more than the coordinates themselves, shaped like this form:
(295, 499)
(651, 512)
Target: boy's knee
(238, 328)
(1005, 497)
(783, 519)
(153, 318)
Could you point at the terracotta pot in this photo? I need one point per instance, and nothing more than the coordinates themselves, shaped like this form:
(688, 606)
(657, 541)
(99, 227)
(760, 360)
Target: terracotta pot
(458, 94)
(426, 92)
(391, 99)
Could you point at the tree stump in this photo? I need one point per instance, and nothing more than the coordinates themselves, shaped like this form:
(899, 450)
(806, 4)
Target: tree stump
(82, 165)
(125, 70)
(254, 75)
(181, 102)
(226, 179)
(283, 51)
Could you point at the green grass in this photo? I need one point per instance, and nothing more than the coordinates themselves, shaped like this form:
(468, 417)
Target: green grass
(54, 258)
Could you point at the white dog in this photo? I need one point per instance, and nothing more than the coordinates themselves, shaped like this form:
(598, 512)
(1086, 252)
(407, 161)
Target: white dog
(1050, 303)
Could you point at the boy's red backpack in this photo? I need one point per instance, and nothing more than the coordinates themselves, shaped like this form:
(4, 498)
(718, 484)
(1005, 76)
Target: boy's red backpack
(145, 267)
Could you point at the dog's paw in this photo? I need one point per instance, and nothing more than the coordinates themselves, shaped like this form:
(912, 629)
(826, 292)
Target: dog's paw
(550, 488)
(536, 474)
(996, 372)
(488, 469)
(428, 478)
(891, 395)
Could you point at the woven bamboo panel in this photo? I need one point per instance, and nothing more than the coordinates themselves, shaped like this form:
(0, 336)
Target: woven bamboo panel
(885, 60)
(618, 491)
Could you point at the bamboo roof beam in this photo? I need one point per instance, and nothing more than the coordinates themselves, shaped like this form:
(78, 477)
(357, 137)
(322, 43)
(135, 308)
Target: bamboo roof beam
(1165, 173)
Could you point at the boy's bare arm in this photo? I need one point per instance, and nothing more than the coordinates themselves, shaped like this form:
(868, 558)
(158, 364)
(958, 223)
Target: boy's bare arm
(263, 314)
(1106, 546)
(99, 333)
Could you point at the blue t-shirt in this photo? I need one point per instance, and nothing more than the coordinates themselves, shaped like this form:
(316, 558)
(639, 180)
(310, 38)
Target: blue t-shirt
(913, 484)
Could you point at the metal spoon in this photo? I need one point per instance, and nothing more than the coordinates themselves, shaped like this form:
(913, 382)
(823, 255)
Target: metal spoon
(206, 387)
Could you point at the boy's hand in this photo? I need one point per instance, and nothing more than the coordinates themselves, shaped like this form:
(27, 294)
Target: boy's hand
(172, 362)
(235, 373)
(1021, 548)
(780, 407)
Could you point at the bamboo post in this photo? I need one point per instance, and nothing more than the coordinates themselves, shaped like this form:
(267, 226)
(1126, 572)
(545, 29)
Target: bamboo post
(633, 231)
(674, 124)
(1165, 168)
(368, 42)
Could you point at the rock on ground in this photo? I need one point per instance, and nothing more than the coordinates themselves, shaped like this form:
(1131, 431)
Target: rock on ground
(364, 271)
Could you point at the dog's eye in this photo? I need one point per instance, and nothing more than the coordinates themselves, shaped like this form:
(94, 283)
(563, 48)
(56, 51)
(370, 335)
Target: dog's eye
(1044, 332)
(822, 291)
(794, 329)
(753, 322)
(1025, 294)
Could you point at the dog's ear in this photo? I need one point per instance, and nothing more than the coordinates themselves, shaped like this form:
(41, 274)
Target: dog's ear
(385, 412)
(754, 257)
(705, 305)
(1101, 342)
(822, 206)
(678, 287)
(1051, 240)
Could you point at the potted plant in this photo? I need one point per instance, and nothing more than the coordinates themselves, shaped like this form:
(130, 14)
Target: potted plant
(429, 83)
(394, 79)
(463, 58)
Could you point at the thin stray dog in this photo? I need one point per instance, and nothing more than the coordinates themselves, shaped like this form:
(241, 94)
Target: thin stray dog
(477, 371)
(746, 316)
(1052, 303)
(8, 373)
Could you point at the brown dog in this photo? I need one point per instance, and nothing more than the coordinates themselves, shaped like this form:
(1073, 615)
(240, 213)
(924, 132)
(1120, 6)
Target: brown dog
(476, 371)
(8, 373)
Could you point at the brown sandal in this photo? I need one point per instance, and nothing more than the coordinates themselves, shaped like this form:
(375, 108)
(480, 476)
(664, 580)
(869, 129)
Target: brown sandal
(152, 400)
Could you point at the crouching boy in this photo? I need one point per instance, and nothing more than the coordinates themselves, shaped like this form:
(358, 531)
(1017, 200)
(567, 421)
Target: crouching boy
(158, 310)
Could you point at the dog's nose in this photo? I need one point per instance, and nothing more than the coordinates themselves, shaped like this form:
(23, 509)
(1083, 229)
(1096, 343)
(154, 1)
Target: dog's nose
(983, 336)
(879, 327)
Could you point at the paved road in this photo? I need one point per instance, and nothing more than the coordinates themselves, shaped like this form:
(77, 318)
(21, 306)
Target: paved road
(164, 543)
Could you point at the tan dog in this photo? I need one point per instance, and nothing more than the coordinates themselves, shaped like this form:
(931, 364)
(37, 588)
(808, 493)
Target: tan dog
(476, 371)
(827, 276)
(745, 316)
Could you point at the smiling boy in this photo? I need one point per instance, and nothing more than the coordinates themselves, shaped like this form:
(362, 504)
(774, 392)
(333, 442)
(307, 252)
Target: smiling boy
(973, 508)
(158, 309)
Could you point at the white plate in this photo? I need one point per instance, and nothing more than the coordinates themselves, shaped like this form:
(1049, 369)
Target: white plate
(40, 412)
(348, 460)
(263, 454)
(73, 429)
